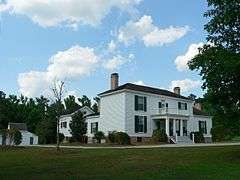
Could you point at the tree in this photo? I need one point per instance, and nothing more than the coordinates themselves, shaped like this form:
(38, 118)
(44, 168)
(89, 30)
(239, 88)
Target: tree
(71, 105)
(58, 95)
(219, 64)
(78, 127)
(85, 101)
(17, 137)
(99, 135)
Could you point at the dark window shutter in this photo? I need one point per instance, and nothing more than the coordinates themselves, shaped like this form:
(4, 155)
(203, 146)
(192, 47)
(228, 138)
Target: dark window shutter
(185, 106)
(159, 105)
(205, 127)
(136, 124)
(145, 124)
(199, 126)
(136, 103)
(145, 104)
(179, 105)
(166, 105)
(91, 128)
(96, 126)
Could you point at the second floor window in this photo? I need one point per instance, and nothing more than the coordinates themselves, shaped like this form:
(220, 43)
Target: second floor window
(182, 106)
(63, 124)
(140, 103)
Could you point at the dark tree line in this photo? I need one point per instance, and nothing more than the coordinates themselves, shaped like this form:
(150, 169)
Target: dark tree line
(40, 114)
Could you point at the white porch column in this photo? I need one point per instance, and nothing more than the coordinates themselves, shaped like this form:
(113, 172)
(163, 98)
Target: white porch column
(167, 126)
(181, 127)
(174, 127)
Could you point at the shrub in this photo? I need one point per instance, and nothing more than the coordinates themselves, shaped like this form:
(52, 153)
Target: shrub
(111, 136)
(99, 135)
(159, 135)
(198, 137)
(218, 133)
(61, 137)
(121, 138)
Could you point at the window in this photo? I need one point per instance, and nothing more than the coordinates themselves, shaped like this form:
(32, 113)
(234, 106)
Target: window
(140, 124)
(140, 103)
(94, 127)
(162, 104)
(203, 127)
(63, 124)
(182, 106)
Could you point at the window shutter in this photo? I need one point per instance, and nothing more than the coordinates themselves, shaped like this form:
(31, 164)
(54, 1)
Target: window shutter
(166, 105)
(179, 105)
(145, 124)
(136, 103)
(159, 105)
(205, 127)
(96, 126)
(145, 104)
(136, 124)
(91, 128)
(199, 126)
(185, 106)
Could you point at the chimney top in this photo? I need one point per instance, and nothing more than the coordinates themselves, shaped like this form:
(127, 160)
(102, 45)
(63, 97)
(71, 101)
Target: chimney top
(176, 90)
(114, 80)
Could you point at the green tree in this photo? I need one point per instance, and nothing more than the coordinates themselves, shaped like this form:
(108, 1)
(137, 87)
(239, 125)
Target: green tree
(71, 105)
(17, 137)
(99, 135)
(78, 127)
(219, 64)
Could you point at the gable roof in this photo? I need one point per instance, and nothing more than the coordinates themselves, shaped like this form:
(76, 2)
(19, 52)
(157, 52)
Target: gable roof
(85, 108)
(146, 89)
(199, 112)
(19, 126)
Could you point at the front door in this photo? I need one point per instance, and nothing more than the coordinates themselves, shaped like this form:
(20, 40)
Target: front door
(171, 127)
(185, 127)
(178, 127)
(161, 124)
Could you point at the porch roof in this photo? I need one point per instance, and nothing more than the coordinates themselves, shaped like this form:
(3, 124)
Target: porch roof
(157, 116)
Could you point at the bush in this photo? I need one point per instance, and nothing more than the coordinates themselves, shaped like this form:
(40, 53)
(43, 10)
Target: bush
(61, 137)
(198, 137)
(111, 136)
(99, 135)
(159, 136)
(121, 138)
(218, 133)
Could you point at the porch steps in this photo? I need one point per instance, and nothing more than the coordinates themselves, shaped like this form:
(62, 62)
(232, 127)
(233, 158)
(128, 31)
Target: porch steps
(181, 140)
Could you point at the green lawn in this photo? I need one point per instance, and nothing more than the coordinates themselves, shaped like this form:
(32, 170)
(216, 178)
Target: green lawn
(162, 163)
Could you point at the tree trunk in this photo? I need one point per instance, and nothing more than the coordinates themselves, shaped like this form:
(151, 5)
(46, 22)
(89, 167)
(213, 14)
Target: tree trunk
(58, 143)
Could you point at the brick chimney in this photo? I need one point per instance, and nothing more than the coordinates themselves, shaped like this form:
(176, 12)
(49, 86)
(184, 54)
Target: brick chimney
(176, 90)
(114, 80)
(198, 106)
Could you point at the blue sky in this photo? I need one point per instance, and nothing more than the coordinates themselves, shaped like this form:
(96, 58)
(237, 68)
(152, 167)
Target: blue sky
(151, 41)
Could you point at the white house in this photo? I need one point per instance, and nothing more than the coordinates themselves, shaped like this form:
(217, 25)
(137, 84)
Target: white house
(28, 138)
(138, 110)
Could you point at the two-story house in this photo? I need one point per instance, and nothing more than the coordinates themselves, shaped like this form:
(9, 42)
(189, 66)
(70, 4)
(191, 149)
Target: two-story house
(138, 110)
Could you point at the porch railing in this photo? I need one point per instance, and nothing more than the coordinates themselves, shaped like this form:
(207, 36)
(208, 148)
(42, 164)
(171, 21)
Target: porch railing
(177, 111)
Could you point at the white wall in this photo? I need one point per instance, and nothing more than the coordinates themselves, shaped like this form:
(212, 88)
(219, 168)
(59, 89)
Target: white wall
(208, 120)
(93, 119)
(66, 131)
(113, 113)
(152, 109)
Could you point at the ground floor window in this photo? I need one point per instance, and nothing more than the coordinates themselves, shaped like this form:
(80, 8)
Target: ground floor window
(203, 127)
(140, 124)
(63, 124)
(94, 127)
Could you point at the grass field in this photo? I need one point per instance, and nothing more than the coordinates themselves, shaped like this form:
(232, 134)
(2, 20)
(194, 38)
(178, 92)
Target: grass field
(162, 163)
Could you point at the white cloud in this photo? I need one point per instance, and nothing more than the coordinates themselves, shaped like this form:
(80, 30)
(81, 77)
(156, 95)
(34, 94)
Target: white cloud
(151, 35)
(112, 46)
(141, 83)
(117, 61)
(49, 13)
(159, 37)
(186, 85)
(182, 60)
(73, 63)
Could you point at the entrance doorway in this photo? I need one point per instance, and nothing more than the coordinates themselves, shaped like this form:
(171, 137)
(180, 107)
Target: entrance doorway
(161, 124)
(171, 127)
(31, 140)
